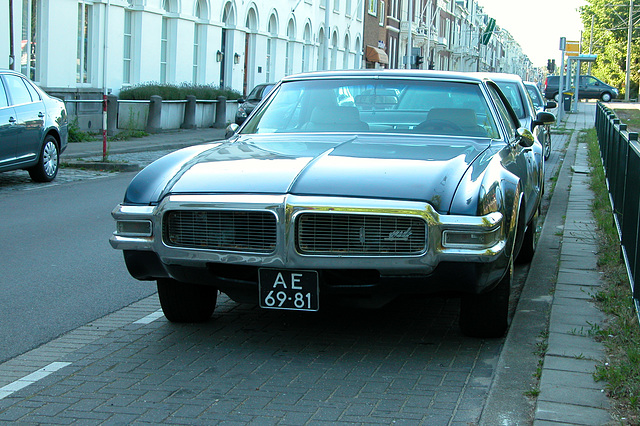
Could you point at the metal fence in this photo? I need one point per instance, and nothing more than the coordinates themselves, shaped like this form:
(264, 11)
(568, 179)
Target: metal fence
(620, 153)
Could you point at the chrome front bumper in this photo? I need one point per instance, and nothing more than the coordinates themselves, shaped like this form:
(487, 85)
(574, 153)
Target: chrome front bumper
(450, 238)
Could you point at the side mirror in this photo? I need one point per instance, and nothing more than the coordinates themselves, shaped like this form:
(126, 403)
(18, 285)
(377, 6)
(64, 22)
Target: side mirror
(241, 100)
(525, 137)
(551, 105)
(231, 130)
(543, 118)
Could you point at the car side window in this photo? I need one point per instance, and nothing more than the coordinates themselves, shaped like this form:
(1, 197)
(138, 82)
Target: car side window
(4, 102)
(35, 96)
(17, 90)
(502, 110)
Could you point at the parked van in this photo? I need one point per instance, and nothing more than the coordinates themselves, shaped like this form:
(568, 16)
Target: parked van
(589, 88)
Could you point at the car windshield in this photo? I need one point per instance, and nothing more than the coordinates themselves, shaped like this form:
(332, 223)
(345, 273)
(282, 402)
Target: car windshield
(376, 105)
(512, 93)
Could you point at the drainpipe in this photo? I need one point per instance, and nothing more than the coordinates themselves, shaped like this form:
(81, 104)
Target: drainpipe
(12, 57)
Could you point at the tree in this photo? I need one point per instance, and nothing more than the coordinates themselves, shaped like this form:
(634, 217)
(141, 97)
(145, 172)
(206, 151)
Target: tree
(610, 28)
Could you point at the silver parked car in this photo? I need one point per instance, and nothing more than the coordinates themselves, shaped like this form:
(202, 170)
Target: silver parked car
(541, 104)
(33, 128)
(422, 182)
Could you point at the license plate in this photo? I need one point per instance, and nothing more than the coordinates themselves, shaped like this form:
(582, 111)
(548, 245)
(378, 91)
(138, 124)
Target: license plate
(287, 289)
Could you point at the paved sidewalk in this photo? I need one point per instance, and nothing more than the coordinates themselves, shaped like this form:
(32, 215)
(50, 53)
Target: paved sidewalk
(568, 391)
(157, 142)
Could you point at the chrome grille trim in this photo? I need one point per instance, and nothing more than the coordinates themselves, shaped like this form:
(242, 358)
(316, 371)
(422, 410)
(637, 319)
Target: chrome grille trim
(228, 230)
(360, 234)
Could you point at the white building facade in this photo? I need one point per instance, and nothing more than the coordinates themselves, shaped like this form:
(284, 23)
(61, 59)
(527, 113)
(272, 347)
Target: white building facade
(96, 46)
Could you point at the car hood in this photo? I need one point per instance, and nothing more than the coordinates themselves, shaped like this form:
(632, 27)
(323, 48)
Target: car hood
(409, 168)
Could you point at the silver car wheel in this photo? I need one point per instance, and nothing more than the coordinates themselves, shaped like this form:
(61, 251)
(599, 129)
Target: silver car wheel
(50, 158)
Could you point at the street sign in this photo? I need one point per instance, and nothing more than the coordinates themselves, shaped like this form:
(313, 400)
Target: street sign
(572, 48)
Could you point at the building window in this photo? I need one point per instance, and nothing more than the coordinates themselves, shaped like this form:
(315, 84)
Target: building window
(128, 47)
(306, 50)
(199, 39)
(381, 14)
(164, 49)
(83, 58)
(30, 18)
(336, 5)
(288, 59)
(271, 47)
(347, 7)
(373, 7)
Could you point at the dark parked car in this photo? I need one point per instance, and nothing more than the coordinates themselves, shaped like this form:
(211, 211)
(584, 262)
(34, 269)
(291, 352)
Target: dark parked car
(589, 88)
(255, 96)
(514, 89)
(310, 201)
(541, 104)
(33, 128)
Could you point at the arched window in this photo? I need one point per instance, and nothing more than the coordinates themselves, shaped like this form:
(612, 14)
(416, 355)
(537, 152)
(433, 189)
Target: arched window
(199, 41)
(166, 40)
(347, 51)
(271, 46)
(322, 42)
(357, 61)
(306, 50)
(334, 51)
(291, 36)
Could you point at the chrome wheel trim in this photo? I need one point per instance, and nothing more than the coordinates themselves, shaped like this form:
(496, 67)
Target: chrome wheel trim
(50, 158)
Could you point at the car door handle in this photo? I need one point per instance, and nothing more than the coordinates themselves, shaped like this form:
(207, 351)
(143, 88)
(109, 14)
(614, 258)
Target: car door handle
(12, 120)
(40, 115)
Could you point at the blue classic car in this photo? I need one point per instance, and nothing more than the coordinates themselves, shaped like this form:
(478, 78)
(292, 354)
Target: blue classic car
(351, 186)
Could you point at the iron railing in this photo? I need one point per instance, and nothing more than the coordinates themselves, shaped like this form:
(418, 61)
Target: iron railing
(620, 152)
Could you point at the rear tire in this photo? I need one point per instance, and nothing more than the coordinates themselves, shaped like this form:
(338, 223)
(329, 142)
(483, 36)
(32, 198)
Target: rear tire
(487, 314)
(48, 161)
(186, 302)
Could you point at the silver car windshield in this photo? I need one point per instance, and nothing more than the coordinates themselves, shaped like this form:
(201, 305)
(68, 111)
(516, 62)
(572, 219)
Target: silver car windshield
(376, 106)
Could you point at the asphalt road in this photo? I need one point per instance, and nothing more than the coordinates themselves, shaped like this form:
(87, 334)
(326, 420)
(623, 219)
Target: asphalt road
(58, 270)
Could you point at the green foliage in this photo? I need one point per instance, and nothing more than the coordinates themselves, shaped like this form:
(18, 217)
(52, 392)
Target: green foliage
(610, 29)
(173, 92)
(77, 135)
(621, 334)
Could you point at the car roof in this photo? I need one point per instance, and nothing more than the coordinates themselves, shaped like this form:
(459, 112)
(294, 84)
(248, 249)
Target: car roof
(392, 73)
(498, 76)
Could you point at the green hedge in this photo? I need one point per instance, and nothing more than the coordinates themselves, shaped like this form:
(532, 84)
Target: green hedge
(173, 92)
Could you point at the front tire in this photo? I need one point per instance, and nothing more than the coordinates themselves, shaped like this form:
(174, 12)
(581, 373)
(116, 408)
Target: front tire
(487, 314)
(186, 302)
(48, 162)
(606, 97)
(547, 144)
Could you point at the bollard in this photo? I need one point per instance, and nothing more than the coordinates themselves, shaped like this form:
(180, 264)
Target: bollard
(189, 121)
(155, 112)
(112, 115)
(221, 113)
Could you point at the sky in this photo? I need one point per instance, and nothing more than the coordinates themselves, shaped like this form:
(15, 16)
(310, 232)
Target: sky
(537, 25)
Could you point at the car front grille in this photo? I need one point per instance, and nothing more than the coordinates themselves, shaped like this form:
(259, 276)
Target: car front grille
(221, 230)
(353, 234)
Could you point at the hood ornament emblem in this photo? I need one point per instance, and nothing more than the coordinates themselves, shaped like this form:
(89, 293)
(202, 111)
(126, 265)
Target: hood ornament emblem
(399, 235)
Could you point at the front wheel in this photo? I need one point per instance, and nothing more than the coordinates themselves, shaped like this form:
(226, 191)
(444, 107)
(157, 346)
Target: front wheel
(487, 314)
(47, 167)
(186, 302)
(606, 97)
(547, 143)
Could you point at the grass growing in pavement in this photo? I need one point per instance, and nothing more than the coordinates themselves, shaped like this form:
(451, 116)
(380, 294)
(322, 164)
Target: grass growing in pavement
(621, 334)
